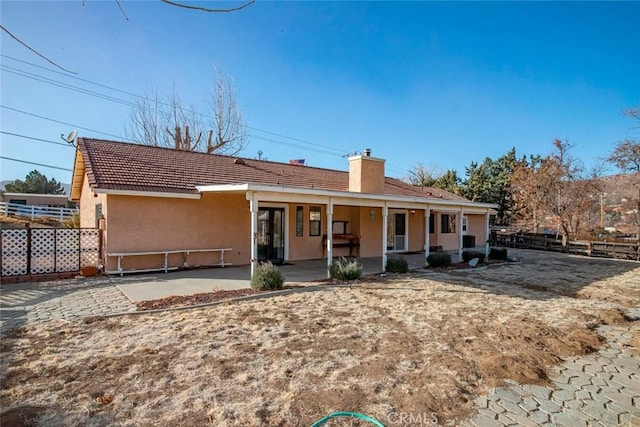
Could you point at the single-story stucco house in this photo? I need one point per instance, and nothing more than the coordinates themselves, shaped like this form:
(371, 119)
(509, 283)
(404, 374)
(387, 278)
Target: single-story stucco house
(165, 208)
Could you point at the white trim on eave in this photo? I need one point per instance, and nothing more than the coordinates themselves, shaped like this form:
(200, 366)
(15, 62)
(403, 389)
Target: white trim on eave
(147, 194)
(280, 189)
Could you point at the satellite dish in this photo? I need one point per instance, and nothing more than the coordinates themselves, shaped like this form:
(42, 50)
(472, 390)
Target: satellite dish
(71, 138)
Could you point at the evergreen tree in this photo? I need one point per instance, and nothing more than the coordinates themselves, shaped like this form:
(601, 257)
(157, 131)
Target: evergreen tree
(36, 183)
(489, 182)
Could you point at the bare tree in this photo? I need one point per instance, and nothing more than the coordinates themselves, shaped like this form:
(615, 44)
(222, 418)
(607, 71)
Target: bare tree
(528, 184)
(166, 122)
(432, 177)
(570, 191)
(228, 132)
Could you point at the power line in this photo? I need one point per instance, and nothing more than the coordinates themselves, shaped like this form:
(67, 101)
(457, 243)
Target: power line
(131, 104)
(63, 85)
(60, 122)
(325, 149)
(37, 164)
(294, 145)
(36, 139)
(73, 77)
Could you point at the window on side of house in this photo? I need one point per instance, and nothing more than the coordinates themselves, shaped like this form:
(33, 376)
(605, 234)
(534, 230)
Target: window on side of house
(447, 223)
(464, 224)
(299, 221)
(98, 214)
(315, 221)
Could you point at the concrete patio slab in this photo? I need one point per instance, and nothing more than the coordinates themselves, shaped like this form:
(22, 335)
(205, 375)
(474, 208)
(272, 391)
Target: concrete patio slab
(148, 287)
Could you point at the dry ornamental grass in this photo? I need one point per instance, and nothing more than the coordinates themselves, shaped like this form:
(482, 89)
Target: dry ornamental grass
(425, 344)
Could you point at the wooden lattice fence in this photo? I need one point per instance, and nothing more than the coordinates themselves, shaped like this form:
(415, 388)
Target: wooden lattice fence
(48, 250)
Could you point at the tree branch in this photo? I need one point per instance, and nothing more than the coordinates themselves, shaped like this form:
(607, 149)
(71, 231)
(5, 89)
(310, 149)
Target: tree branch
(204, 9)
(122, 10)
(34, 51)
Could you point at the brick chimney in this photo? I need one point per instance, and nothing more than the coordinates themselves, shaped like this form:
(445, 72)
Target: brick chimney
(366, 173)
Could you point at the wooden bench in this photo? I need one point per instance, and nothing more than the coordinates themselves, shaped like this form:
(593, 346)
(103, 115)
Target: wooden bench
(165, 267)
(351, 241)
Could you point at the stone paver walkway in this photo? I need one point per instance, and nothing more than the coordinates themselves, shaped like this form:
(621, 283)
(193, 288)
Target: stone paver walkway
(28, 303)
(600, 389)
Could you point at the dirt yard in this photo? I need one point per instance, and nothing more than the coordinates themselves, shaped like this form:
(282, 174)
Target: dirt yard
(427, 343)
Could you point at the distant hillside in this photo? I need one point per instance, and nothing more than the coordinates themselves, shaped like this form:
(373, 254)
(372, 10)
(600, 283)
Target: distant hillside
(619, 187)
(67, 187)
(620, 199)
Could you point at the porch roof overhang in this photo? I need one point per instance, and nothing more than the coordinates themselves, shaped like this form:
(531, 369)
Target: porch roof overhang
(280, 193)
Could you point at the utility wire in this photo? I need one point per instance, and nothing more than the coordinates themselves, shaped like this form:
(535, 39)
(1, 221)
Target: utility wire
(37, 139)
(125, 102)
(64, 85)
(37, 164)
(60, 122)
(72, 77)
(323, 149)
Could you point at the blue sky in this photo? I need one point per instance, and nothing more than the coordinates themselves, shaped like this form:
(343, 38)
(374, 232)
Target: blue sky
(441, 84)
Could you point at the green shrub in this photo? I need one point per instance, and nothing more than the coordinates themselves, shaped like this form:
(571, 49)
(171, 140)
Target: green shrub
(439, 259)
(344, 269)
(469, 255)
(397, 265)
(267, 277)
(498, 253)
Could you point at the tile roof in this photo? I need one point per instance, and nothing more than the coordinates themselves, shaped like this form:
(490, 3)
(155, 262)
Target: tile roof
(125, 166)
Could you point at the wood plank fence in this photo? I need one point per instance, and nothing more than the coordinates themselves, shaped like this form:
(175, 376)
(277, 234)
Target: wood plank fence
(601, 249)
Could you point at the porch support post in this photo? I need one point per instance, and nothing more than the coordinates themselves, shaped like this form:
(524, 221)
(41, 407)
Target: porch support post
(460, 215)
(385, 214)
(486, 233)
(329, 236)
(253, 207)
(427, 215)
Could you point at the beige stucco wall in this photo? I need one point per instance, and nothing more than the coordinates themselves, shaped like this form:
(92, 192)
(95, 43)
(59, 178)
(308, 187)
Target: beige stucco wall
(448, 241)
(88, 202)
(312, 247)
(370, 232)
(305, 247)
(416, 230)
(366, 175)
(140, 224)
(476, 227)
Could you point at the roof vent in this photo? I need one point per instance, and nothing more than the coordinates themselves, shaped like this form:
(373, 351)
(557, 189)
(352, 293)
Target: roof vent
(238, 162)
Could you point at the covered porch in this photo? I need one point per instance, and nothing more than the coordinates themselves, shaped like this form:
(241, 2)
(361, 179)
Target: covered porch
(290, 224)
